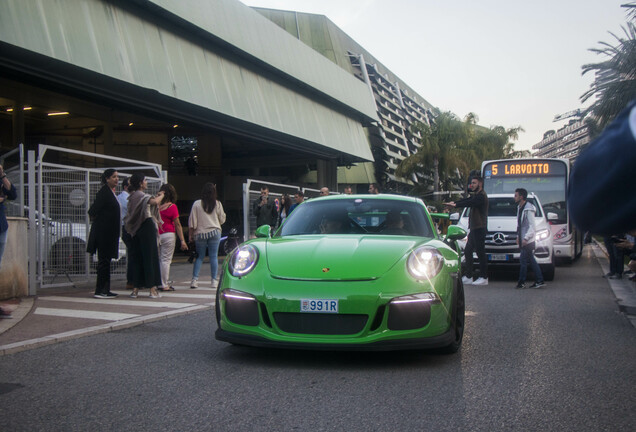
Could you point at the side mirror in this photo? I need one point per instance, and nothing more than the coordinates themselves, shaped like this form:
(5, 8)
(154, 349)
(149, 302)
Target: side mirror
(439, 215)
(455, 233)
(454, 217)
(552, 216)
(264, 231)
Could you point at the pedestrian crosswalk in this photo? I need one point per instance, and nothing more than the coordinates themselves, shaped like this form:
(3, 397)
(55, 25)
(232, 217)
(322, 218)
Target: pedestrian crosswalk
(123, 307)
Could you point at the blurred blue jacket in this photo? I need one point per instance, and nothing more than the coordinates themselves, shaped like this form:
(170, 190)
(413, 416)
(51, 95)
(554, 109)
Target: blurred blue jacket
(602, 192)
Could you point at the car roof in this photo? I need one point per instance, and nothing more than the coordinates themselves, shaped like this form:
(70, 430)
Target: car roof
(369, 196)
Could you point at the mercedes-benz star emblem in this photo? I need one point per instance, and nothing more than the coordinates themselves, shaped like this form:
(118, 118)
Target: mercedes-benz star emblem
(499, 238)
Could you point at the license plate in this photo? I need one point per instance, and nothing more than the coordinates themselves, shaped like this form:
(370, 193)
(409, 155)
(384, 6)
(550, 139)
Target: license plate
(498, 257)
(319, 305)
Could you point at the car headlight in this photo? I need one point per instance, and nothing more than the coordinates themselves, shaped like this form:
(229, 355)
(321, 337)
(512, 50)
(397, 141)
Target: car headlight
(243, 260)
(542, 235)
(424, 262)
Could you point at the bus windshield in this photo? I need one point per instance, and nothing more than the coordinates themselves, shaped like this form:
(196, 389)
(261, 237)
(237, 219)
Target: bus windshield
(546, 179)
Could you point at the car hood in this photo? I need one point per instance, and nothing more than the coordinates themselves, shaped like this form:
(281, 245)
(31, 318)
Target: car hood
(506, 224)
(335, 257)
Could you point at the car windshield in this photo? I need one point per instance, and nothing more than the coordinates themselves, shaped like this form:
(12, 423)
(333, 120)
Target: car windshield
(506, 207)
(358, 216)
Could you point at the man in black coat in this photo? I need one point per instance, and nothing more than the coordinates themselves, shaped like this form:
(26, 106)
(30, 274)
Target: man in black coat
(265, 209)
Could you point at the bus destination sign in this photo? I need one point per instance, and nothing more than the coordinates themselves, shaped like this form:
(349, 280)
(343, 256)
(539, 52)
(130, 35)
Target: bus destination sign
(524, 168)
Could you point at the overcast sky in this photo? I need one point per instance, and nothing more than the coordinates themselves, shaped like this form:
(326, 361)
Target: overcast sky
(512, 62)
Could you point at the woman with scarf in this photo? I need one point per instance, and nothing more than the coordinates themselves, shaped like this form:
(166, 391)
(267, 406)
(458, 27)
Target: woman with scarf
(104, 235)
(141, 223)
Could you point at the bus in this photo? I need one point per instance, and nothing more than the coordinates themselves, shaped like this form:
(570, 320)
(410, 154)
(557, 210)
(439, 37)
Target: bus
(548, 179)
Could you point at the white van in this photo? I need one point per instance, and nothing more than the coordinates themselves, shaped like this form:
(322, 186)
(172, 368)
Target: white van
(502, 250)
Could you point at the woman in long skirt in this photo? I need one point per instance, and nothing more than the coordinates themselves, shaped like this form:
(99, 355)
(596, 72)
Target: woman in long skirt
(141, 223)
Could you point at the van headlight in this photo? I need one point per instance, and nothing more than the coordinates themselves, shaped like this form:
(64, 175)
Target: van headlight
(425, 263)
(542, 235)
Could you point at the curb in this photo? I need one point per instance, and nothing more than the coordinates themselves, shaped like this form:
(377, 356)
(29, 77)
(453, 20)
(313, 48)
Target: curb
(104, 328)
(625, 296)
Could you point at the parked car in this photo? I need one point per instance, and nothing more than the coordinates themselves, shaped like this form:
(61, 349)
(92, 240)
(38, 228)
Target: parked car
(345, 272)
(64, 243)
(502, 250)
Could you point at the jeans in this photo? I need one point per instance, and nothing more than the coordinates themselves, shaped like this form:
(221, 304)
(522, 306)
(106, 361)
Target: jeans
(212, 245)
(527, 257)
(476, 243)
(3, 242)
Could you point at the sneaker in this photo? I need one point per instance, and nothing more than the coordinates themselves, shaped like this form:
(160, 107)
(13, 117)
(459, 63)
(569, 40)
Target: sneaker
(538, 285)
(215, 283)
(134, 293)
(111, 295)
(467, 280)
(520, 285)
(616, 276)
(481, 281)
(194, 284)
(608, 275)
(101, 295)
(154, 293)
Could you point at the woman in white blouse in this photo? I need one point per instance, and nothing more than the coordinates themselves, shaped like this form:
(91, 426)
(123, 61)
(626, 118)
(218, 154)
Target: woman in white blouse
(206, 218)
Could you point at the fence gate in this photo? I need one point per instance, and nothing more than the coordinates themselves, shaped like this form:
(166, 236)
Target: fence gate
(63, 191)
(252, 191)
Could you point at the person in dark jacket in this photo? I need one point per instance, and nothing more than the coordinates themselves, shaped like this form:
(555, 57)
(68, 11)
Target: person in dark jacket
(7, 192)
(598, 196)
(478, 224)
(265, 209)
(105, 229)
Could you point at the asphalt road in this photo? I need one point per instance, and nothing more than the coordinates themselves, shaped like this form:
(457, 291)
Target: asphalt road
(556, 359)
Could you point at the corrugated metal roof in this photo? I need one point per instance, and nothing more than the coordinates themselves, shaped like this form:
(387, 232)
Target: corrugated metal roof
(128, 45)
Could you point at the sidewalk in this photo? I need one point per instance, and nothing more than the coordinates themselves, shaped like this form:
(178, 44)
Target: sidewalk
(624, 289)
(59, 314)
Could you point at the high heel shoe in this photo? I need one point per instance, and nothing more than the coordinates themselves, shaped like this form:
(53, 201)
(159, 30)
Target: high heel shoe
(154, 293)
(134, 293)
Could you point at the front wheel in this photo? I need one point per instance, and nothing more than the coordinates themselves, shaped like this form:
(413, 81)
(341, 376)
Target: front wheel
(458, 319)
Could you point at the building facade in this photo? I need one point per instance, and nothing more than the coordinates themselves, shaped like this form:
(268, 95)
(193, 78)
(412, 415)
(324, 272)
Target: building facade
(397, 105)
(565, 143)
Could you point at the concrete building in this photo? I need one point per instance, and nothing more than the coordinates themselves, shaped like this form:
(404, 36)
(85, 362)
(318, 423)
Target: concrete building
(397, 105)
(173, 82)
(565, 143)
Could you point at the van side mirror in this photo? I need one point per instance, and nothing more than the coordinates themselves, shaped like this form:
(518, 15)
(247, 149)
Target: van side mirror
(552, 216)
(264, 231)
(455, 233)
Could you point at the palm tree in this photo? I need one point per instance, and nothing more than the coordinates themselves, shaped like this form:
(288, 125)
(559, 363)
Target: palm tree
(615, 83)
(441, 146)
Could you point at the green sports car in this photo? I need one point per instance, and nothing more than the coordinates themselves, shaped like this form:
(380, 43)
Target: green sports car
(346, 272)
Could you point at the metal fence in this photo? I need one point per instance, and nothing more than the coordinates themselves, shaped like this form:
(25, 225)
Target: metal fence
(252, 192)
(57, 200)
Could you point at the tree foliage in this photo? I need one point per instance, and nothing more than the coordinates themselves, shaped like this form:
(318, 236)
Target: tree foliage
(614, 84)
(451, 148)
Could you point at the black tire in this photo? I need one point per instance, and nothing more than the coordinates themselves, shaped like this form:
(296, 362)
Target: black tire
(458, 320)
(229, 245)
(68, 255)
(217, 304)
(548, 272)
